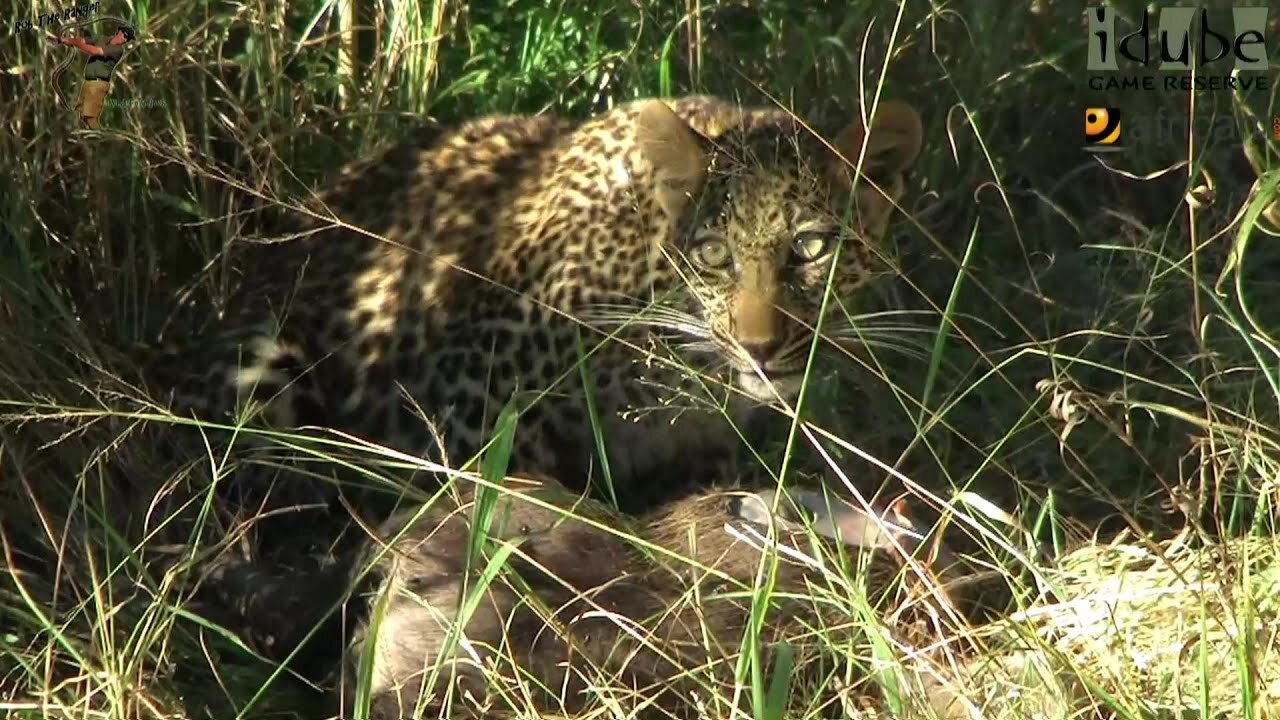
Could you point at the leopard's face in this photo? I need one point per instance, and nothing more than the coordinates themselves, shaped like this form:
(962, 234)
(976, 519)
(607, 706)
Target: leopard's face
(776, 223)
(757, 259)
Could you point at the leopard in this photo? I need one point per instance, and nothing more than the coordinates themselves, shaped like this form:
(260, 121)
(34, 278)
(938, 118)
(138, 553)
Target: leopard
(636, 288)
(585, 598)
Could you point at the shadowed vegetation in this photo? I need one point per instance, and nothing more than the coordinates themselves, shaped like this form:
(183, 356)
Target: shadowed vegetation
(1070, 362)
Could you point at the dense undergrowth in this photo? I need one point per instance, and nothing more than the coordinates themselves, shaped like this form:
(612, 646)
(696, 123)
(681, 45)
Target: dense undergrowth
(1093, 339)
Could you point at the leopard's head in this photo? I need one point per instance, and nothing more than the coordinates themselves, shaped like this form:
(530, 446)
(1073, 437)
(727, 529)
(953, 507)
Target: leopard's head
(766, 216)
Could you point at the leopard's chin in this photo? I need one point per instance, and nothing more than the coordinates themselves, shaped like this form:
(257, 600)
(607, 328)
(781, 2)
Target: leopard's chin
(771, 387)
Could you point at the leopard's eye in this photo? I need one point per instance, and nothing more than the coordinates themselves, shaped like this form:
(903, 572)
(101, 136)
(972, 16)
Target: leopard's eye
(712, 253)
(811, 247)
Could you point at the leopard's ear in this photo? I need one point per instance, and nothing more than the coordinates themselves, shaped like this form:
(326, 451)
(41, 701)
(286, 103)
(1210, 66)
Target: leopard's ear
(676, 153)
(893, 143)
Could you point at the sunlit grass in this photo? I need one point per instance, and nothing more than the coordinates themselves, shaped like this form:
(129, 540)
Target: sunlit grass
(1076, 343)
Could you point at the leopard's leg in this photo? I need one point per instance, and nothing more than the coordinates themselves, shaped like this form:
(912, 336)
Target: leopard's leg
(235, 386)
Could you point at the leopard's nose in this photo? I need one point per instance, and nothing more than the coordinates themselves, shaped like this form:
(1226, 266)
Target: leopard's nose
(762, 350)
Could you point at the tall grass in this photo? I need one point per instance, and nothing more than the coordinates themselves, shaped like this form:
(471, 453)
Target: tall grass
(1088, 343)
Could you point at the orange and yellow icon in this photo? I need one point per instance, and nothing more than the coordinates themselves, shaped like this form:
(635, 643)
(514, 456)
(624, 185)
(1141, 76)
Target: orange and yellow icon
(1102, 127)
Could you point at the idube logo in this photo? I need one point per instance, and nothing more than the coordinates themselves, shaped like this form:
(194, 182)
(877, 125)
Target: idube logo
(1185, 38)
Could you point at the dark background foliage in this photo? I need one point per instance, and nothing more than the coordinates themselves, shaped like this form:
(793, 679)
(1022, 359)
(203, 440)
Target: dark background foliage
(1087, 352)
